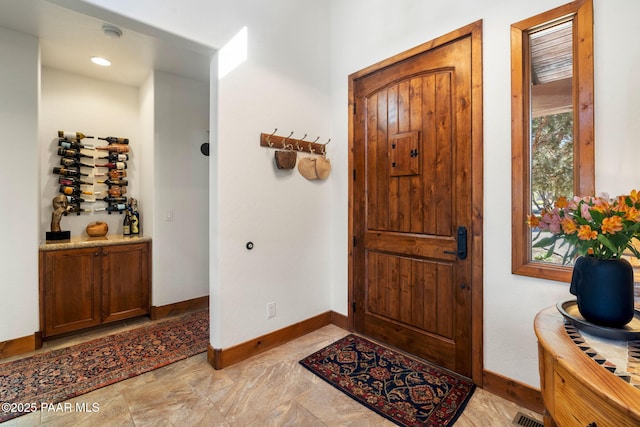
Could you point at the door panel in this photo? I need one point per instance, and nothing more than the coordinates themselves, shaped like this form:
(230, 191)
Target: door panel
(412, 145)
(411, 291)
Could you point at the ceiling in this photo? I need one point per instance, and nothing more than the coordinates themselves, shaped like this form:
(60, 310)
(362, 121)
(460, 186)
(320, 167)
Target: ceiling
(68, 39)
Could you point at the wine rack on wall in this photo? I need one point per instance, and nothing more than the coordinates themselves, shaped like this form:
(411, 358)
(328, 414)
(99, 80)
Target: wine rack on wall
(89, 174)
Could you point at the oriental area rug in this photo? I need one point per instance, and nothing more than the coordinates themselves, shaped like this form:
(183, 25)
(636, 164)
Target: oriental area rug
(406, 391)
(51, 377)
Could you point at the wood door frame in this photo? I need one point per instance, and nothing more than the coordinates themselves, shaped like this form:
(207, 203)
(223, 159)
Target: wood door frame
(474, 31)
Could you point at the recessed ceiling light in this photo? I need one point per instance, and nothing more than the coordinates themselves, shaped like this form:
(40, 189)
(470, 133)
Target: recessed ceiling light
(100, 61)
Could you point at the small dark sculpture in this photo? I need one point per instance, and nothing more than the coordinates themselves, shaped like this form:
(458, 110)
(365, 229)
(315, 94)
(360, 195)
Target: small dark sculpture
(60, 207)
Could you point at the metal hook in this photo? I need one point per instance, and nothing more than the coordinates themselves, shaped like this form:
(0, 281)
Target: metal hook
(324, 148)
(285, 140)
(311, 149)
(315, 140)
(269, 138)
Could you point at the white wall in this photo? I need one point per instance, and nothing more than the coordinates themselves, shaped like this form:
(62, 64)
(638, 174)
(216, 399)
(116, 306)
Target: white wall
(283, 85)
(71, 102)
(181, 183)
(20, 173)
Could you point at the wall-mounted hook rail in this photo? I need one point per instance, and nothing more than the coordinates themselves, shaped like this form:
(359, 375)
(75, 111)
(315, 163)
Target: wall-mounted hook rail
(286, 142)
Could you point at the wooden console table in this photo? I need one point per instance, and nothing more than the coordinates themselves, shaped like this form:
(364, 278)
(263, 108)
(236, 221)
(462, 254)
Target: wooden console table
(578, 387)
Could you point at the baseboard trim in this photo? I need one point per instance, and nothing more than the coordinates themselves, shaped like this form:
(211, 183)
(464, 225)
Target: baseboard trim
(175, 309)
(16, 346)
(513, 391)
(340, 320)
(223, 358)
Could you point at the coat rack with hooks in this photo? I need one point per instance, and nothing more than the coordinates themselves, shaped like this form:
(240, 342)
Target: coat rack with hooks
(293, 144)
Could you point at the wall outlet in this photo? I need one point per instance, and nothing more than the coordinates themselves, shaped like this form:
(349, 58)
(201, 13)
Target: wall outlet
(271, 310)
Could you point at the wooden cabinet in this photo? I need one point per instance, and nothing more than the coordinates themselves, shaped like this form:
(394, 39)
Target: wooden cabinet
(125, 281)
(82, 287)
(576, 390)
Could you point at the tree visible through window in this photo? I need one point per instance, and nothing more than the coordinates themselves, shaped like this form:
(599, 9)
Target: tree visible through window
(551, 172)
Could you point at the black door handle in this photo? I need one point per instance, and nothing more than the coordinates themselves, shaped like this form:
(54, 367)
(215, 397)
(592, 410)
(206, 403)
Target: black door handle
(462, 243)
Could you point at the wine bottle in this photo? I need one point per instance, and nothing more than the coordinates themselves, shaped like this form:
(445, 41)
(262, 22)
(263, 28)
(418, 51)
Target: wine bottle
(110, 199)
(135, 216)
(115, 157)
(69, 152)
(110, 182)
(65, 143)
(126, 224)
(72, 135)
(118, 207)
(68, 171)
(73, 200)
(117, 191)
(73, 191)
(118, 148)
(115, 140)
(71, 162)
(117, 173)
(77, 209)
(72, 180)
(116, 165)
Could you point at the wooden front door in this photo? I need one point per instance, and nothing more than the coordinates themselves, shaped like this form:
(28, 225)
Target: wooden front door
(412, 204)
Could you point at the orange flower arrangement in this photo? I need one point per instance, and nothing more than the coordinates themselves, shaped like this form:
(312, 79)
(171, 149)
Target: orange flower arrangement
(598, 226)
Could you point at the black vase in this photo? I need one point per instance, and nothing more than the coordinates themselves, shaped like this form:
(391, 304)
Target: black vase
(604, 288)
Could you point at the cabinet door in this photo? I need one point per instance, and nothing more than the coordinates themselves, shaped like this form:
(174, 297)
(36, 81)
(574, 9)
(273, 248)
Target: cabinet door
(70, 290)
(125, 281)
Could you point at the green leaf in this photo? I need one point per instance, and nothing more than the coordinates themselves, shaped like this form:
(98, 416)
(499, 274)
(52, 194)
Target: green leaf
(602, 239)
(545, 242)
(550, 251)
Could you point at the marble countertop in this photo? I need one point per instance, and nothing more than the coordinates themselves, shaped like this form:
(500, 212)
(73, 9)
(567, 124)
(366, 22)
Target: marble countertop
(78, 242)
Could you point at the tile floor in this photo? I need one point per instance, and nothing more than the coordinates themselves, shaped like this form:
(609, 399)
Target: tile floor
(270, 389)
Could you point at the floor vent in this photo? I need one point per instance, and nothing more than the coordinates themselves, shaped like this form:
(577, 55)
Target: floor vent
(526, 421)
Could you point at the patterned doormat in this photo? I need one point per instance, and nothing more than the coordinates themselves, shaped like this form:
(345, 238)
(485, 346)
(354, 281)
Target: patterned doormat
(52, 377)
(404, 390)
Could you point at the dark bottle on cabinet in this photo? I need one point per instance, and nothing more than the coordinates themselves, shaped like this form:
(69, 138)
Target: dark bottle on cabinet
(135, 216)
(126, 225)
